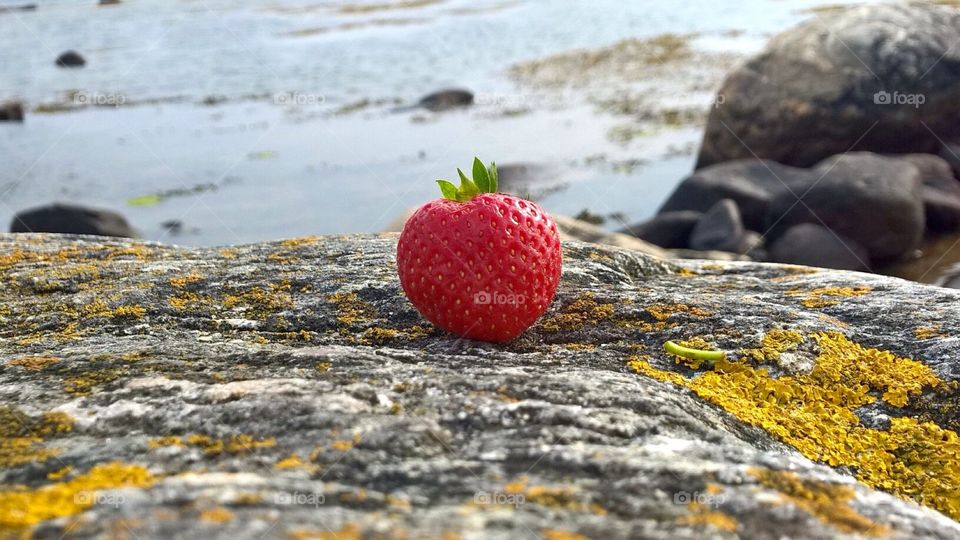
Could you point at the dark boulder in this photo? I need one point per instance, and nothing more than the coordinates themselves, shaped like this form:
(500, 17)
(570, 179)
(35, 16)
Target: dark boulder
(751, 183)
(813, 245)
(444, 100)
(871, 199)
(71, 59)
(720, 228)
(71, 219)
(668, 229)
(882, 78)
(941, 192)
(11, 111)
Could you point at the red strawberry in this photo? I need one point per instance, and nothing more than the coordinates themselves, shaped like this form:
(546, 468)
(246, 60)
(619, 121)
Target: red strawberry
(481, 264)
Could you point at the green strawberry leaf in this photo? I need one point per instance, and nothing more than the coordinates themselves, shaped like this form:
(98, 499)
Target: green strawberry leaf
(485, 180)
(448, 189)
(480, 177)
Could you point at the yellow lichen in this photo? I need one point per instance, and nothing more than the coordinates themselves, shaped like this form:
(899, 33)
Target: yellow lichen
(556, 497)
(302, 241)
(21, 508)
(825, 296)
(60, 473)
(35, 363)
(83, 385)
(662, 312)
(928, 332)
(830, 503)
(704, 516)
(347, 532)
(574, 316)
(162, 442)
(258, 302)
(351, 309)
(294, 461)
(218, 514)
(21, 436)
(183, 281)
(815, 413)
(560, 534)
(774, 343)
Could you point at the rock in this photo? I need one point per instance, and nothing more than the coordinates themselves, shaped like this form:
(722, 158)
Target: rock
(444, 100)
(950, 277)
(11, 111)
(109, 2)
(575, 229)
(812, 245)
(667, 229)
(71, 219)
(720, 228)
(22, 7)
(870, 199)
(71, 59)
(752, 243)
(881, 78)
(950, 152)
(287, 390)
(941, 192)
(750, 183)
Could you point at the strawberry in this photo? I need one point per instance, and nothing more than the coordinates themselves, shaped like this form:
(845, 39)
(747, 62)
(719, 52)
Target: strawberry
(481, 264)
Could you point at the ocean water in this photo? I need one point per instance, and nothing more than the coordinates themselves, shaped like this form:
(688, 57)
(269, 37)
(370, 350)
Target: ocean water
(247, 120)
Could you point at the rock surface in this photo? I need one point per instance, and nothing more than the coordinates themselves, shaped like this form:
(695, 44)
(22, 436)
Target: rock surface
(71, 219)
(843, 82)
(287, 390)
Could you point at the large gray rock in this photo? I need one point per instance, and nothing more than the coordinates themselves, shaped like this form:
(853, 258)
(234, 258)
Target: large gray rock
(833, 83)
(720, 228)
(751, 183)
(813, 245)
(71, 59)
(71, 219)
(667, 229)
(873, 200)
(288, 390)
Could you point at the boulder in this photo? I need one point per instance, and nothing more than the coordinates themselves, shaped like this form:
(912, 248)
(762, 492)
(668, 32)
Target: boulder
(751, 183)
(720, 228)
(950, 152)
(71, 219)
(288, 390)
(873, 200)
(11, 111)
(71, 59)
(881, 78)
(444, 100)
(813, 245)
(667, 229)
(941, 192)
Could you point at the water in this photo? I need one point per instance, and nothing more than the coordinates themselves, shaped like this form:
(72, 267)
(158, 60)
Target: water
(230, 125)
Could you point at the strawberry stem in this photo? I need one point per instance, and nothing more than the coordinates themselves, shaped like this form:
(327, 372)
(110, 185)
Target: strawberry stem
(484, 181)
